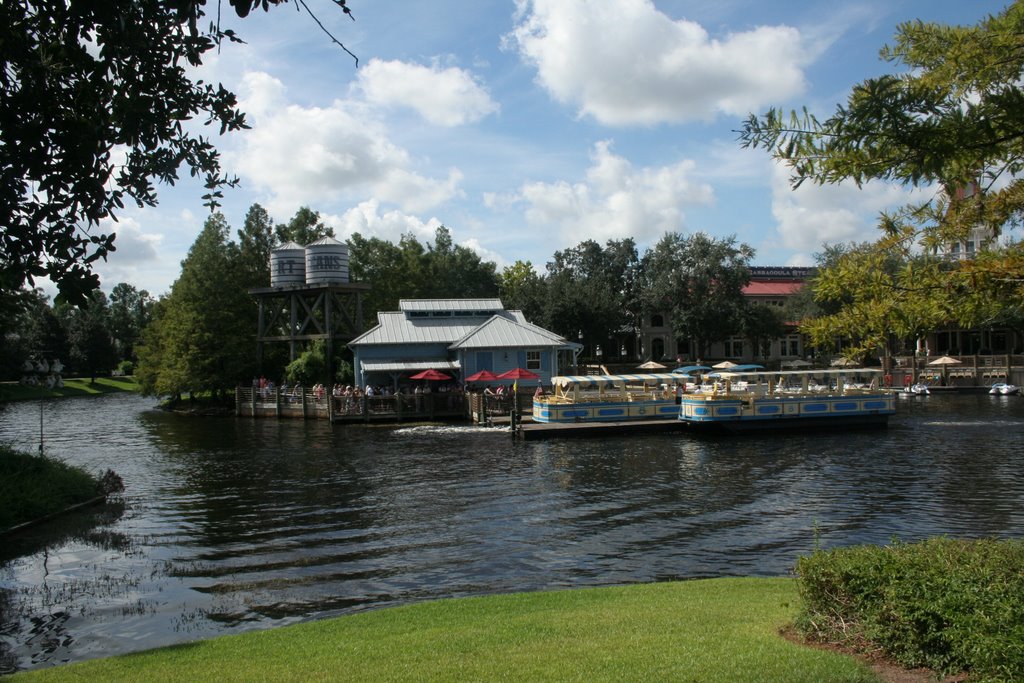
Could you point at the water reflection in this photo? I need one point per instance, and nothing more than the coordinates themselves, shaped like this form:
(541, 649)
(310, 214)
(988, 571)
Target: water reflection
(237, 524)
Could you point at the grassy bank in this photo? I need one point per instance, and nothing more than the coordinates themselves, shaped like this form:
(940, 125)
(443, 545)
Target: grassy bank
(709, 630)
(12, 391)
(33, 487)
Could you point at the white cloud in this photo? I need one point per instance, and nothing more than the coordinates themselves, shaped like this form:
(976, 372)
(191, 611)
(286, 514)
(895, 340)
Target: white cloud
(137, 258)
(367, 219)
(312, 155)
(628, 63)
(812, 215)
(615, 201)
(444, 97)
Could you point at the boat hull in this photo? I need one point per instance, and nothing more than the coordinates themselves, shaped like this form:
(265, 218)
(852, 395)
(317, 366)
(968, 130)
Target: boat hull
(735, 414)
(605, 411)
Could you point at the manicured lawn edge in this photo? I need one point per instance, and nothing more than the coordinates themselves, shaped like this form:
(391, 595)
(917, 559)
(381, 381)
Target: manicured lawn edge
(703, 630)
(82, 386)
(33, 488)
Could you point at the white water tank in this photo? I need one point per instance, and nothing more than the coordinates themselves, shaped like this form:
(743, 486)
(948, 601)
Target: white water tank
(326, 262)
(288, 265)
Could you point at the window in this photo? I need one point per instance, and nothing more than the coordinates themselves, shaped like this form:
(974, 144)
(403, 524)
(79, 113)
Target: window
(657, 320)
(790, 345)
(734, 347)
(533, 360)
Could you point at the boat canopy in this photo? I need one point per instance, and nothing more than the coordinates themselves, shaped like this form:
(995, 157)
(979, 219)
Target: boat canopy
(750, 367)
(687, 369)
(621, 380)
(733, 373)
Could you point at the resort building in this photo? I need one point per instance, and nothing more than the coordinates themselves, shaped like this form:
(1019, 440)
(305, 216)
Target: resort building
(769, 286)
(459, 337)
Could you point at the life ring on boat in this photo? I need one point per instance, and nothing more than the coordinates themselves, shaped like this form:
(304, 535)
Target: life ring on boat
(888, 380)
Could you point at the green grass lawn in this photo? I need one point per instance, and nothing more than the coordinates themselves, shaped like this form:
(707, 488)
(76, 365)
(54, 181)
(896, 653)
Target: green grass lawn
(12, 391)
(708, 630)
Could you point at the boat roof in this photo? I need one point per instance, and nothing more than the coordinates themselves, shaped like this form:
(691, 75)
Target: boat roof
(687, 369)
(583, 380)
(773, 374)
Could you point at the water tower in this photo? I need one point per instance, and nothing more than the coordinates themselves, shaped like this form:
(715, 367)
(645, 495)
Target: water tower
(310, 297)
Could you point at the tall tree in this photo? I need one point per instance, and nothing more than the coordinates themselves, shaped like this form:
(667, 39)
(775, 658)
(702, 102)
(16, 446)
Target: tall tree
(90, 345)
(412, 270)
(304, 228)
(256, 240)
(587, 287)
(83, 80)
(455, 271)
(130, 312)
(952, 123)
(380, 263)
(520, 287)
(202, 336)
(699, 280)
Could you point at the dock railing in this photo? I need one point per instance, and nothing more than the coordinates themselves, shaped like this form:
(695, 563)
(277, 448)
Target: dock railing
(973, 370)
(303, 404)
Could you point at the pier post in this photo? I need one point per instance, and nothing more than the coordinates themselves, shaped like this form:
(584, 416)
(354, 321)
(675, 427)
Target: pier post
(277, 402)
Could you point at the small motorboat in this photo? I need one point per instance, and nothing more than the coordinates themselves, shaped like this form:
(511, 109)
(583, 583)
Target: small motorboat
(917, 389)
(1004, 389)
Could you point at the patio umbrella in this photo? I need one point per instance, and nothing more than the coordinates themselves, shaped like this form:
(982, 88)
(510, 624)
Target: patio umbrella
(651, 365)
(482, 376)
(518, 373)
(724, 365)
(798, 363)
(430, 374)
(844, 363)
(945, 362)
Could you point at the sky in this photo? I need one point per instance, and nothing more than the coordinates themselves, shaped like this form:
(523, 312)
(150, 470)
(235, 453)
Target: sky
(528, 126)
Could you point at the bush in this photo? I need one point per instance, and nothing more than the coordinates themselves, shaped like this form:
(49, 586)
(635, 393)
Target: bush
(949, 605)
(126, 368)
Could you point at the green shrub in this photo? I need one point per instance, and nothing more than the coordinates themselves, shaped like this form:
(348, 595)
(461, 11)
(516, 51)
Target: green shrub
(949, 605)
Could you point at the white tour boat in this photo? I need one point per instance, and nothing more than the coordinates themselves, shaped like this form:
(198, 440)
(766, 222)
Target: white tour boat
(790, 399)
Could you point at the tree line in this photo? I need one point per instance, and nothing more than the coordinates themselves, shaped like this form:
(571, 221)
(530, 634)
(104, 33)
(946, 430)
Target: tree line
(202, 334)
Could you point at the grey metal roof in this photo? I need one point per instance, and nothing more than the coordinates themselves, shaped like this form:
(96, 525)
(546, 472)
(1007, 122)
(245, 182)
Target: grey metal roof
(406, 365)
(500, 328)
(499, 332)
(395, 328)
(490, 305)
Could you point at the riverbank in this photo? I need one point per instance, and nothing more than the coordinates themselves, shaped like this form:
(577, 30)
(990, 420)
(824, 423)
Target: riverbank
(81, 386)
(34, 488)
(707, 630)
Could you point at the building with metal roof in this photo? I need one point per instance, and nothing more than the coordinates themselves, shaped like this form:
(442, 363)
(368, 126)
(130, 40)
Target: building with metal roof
(459, 337)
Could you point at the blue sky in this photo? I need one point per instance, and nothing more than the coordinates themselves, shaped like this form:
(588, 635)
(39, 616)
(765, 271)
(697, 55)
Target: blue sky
(526, 127)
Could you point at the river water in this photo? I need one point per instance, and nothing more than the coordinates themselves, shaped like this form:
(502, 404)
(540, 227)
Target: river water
(235, 524)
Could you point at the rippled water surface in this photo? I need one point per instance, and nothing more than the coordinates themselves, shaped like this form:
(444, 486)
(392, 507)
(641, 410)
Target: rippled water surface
(233, 524)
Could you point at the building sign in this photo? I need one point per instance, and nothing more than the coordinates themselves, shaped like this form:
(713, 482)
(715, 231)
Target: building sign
(780, 272)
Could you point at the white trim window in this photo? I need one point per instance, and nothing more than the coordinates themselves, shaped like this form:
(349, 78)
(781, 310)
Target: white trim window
(533, 360)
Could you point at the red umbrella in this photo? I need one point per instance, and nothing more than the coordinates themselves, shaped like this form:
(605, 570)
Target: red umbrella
(430, 374)
(482, 376)
(518, 373)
